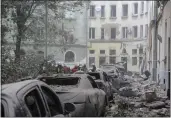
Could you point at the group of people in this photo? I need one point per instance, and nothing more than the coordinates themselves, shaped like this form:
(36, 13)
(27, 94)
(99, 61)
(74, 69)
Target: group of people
(52, 67)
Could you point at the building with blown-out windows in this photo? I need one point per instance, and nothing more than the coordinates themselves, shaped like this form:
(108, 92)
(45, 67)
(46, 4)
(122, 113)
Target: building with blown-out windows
(118, 32)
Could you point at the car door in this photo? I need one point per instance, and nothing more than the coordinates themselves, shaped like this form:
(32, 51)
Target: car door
(52, 101)
(32, 101)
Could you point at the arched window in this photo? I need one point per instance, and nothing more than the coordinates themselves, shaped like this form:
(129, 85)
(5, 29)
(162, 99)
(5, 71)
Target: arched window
(69, 56)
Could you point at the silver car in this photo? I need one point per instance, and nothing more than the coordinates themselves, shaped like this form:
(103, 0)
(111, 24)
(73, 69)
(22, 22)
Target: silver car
(82, 91)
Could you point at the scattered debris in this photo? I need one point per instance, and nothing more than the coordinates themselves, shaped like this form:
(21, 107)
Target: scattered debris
(140, 98)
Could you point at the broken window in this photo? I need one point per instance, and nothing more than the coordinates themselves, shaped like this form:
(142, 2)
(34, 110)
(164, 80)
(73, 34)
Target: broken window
(102, 51)
(112, 60)
(134, 51)
(113, 11)
(102, 33)
(135, 31)
(113, 33)
(103, 11)
(134, 61)
(92, 33)
(34, 103)
(69, 56)
(146, 6)
(91, 60)
(52, 101)
(140, 60)
(135, 8)
(112, 52)
(91, 51)
(93, 83)
(95, 75)
(62, 81)
(140, 51)
(124, 32)
(102, 60)
(92, 11)
(146, 30)
(141, 31)
(142, 7)
(125, 10)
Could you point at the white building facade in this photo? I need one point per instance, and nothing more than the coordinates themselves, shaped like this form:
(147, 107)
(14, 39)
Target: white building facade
(163, 43)
(123, 21)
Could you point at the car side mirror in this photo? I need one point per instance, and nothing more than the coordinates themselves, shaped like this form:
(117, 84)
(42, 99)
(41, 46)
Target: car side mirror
(69, 107)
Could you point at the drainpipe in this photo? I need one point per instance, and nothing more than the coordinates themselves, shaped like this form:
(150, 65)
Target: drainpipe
(154, 44)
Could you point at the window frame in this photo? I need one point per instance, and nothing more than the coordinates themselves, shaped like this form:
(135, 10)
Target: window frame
(136, 31)
(110, 50)
(134, 63)
(102, 15)
(123, 10)
(91, 53)
(101, 52)
(110, 59)
(41, 97)
(57, 98)
(92, 11)
(91, 79)
(92, 34)
(113, 35)
(133, 52)
(102, 33)
(146, 30)
(112, 15)
(134, 8)
(140, 51)
(141, 31)
(102, 57)
(142, 7)
(94, 58)
(124, 32)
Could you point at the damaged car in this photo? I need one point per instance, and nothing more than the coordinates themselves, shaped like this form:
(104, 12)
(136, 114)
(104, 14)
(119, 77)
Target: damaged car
(81, 90)
(103, 82)
(32, 98)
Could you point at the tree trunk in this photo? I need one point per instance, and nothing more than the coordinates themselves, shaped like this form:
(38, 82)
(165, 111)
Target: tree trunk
(18, 42)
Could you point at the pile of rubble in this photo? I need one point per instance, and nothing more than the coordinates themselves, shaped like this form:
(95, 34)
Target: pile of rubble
(141, 99)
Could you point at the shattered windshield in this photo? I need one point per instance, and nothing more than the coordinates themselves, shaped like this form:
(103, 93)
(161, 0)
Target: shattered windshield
(62, 81)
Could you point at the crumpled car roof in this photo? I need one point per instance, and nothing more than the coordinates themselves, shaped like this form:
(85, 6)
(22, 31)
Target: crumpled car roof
(14, 87)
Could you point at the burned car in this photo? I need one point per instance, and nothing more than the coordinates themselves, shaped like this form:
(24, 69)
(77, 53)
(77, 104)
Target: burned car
(110, 70)
(103, 82)
(32, 98)
(81, 90)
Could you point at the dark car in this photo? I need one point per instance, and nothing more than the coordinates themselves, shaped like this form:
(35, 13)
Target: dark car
(31, 98)
(103, 82)
(81, 90)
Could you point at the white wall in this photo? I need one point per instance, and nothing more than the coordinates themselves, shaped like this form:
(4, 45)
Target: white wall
(163, 68)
